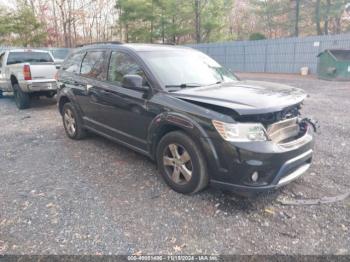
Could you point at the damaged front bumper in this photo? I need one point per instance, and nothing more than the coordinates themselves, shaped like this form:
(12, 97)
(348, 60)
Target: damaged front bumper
(272, 164)
(288, 172)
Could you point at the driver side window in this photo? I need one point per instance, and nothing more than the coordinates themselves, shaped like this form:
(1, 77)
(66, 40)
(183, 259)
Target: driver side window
(122, 64)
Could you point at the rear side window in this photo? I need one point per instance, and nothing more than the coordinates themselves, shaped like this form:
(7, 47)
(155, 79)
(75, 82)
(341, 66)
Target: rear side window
(93, 65)
(28, 57)
(122, 64)
(72, 64)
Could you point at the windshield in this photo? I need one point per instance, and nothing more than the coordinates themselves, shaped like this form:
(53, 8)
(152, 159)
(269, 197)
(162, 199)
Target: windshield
(28, 57)
(186, 68)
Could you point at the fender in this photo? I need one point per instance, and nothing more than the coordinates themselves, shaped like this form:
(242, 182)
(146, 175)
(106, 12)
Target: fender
(188, 125)
(174, 119)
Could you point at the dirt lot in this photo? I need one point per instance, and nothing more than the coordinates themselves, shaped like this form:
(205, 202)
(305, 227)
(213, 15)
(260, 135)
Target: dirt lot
(59, 196)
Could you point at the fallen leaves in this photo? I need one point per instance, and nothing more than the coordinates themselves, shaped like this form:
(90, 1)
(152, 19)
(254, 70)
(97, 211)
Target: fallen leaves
(179, 248)
(269, 211)
(49, 205)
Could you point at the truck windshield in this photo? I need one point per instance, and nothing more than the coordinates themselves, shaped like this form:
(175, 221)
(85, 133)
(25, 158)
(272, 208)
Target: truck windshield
(186, 68)
(28, 57)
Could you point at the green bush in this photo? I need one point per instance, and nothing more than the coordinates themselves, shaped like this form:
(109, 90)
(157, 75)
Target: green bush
(257, 36)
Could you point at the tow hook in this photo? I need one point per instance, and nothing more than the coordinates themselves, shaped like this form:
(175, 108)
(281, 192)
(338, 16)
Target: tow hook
(312, 122)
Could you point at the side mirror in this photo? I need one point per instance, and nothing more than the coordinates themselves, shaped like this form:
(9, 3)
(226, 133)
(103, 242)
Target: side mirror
(134, 82)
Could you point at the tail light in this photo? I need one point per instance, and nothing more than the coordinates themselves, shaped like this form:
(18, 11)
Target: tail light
(26, 72)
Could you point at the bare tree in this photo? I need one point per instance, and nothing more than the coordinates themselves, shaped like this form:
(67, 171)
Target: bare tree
(318, 17)
(297, 16)
(197, 7)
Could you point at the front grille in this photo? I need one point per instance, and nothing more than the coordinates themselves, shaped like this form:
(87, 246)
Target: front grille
(284, 131)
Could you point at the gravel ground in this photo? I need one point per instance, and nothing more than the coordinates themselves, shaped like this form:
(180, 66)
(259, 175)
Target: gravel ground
(59, 196)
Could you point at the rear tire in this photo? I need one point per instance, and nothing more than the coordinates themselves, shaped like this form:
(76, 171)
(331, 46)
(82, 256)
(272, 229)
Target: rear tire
(22, 99)
(181, 163)
(72, 122)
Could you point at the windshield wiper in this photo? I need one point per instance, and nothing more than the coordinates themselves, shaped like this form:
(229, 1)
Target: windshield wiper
(183, 85)
(216, 83)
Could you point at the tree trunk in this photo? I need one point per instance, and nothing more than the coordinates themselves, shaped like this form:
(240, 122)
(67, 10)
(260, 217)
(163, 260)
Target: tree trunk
(326, 21)
(173, 26)
(197, 20)
(338, 25)
(297, 12)
(152, 22)
(318, 18)
(162, 21)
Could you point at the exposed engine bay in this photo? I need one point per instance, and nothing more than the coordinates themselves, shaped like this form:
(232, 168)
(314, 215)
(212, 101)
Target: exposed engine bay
(285, 126)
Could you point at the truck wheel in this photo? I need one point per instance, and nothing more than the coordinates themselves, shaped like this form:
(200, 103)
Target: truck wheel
(181, 163)
(22, 99)
(72, 122)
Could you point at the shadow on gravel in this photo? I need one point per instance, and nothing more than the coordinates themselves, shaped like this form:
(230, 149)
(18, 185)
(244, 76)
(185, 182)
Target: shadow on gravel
(232, 203)
(41, 102)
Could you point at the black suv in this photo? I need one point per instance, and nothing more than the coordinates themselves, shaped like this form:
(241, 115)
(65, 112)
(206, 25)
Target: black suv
(193, 117)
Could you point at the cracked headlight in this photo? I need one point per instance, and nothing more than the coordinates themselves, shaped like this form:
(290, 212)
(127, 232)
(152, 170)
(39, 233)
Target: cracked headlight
(240, 132)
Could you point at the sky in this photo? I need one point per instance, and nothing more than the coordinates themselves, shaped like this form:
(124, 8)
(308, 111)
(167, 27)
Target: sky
(9, 3)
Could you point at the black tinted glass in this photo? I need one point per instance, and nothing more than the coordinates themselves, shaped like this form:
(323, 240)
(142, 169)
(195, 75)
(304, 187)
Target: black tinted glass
(122, 64)
(72, 64)
(28, 57)
(92, 65)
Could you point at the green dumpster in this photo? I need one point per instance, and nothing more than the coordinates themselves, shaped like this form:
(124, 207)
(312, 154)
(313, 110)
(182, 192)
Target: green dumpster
(334, 64)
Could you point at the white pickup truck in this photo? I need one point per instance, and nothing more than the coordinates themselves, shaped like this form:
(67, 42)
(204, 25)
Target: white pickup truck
(27, 73)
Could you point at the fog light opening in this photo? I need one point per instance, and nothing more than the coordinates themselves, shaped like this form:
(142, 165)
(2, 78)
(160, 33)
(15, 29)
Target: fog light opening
(255, 176)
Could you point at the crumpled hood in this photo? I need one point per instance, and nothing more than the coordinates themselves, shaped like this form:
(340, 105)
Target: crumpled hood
(246, 97)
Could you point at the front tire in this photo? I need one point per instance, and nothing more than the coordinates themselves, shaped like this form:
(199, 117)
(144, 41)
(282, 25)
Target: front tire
(181, 163)
(72, 122)
(22, 99)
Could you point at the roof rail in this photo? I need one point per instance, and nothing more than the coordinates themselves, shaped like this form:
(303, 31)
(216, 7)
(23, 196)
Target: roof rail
(98, 43)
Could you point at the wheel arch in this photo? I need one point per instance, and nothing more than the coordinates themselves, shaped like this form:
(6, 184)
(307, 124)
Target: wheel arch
(13, 80)
(169, 122)
(61, 102)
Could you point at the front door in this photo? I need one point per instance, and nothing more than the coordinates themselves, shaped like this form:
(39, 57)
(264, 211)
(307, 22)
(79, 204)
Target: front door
(120, 112)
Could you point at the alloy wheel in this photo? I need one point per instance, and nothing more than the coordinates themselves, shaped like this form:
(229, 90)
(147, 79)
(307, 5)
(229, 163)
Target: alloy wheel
(69, 122)
(178, 164)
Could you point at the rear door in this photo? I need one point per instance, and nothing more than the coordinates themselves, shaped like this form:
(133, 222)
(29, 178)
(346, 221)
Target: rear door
(92, 74)
(70, 77)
